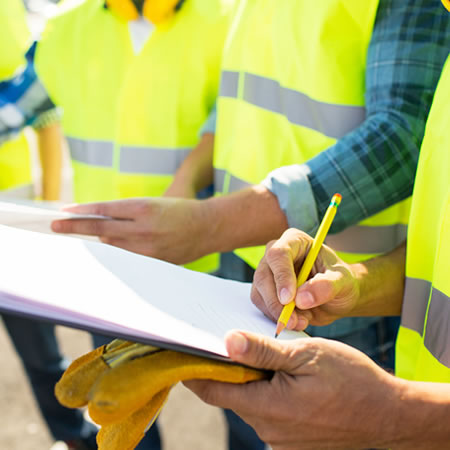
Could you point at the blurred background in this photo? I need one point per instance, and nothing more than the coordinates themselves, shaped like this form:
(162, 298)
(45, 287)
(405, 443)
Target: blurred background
(185, 423)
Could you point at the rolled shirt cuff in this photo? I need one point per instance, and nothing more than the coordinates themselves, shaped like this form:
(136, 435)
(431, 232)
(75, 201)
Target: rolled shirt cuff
(47, 118)
(291, 186)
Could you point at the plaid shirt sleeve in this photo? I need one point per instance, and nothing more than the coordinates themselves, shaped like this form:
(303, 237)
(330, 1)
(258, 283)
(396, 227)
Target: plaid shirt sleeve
(374, 166)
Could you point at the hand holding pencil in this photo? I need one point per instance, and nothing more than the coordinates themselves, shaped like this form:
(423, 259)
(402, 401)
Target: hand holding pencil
(310, 259)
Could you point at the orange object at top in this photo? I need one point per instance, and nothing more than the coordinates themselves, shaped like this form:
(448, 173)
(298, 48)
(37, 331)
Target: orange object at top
(446, 3)
(156, 11)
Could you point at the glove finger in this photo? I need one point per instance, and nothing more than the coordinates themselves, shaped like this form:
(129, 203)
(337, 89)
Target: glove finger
(73, 388)
(130, 386)
(126, 434)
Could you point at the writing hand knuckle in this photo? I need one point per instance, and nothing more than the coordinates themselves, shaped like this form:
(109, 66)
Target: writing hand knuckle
(275, 253)
(260, 276)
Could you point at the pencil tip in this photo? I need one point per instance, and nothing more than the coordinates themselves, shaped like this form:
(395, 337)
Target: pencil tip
(280, 328)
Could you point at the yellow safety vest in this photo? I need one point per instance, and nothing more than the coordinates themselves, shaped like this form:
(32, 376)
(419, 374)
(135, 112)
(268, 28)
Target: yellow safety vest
(132, 119)
(15, 169)
(15, 163)
(292, 84)
(14, 37)
(423, 344)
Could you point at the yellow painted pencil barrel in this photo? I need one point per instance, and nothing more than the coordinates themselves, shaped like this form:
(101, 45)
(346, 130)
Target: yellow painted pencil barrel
(310, 259)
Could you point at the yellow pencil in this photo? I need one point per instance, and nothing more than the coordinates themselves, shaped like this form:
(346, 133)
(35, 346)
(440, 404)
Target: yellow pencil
(310, 259)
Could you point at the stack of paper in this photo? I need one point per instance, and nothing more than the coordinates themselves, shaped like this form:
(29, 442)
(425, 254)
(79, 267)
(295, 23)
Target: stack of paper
(101, 288)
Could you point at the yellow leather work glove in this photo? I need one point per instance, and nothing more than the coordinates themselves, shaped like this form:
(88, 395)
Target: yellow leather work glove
(125, 386)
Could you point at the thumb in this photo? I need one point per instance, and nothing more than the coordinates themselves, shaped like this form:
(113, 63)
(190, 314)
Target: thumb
(260, 352)
(321, 289)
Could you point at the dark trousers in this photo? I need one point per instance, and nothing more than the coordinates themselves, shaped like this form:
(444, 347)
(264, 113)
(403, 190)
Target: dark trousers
(37, 347)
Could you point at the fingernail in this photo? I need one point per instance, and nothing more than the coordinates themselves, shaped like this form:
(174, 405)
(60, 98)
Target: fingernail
(285, 296)
(239, 343)
(306, 300)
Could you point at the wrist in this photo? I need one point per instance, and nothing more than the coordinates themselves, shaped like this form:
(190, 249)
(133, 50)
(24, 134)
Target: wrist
(359, 272)
(387, 426)
(246, 218)
(207, 223)
(422, 420)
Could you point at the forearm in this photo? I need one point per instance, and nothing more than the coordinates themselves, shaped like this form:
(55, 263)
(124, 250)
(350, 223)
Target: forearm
(422, 414)
(246, 218)
(381, 283)
(196, 171)
(374, 166)
(50, 149)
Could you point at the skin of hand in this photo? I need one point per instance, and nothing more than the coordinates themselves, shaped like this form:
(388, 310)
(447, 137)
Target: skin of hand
(164, 228)
(332, 290)
(182, 230)
(50, 151)
(324, 394)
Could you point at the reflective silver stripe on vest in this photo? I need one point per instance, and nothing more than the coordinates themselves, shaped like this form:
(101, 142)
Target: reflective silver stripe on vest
(437, 334)
(150, 160)
(415, 302)
(330, 119)
(226, 183)
(229, 83)
(368, 239)
(219, 180)
(93, 153)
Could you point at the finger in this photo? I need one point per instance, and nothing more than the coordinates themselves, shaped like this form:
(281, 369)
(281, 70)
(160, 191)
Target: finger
(119, 209)
(264, 294)
(281, 257)
(264, 297)
(93, 227)
(303, 320)
(261, 352)
(241, 398)
(258, 300)
(320, 289)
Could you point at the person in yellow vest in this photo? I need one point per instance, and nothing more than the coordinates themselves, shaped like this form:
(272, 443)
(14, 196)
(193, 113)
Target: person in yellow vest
(325, 394)
(326, 92)
(137, 80)
(25, 103)
(134, 116)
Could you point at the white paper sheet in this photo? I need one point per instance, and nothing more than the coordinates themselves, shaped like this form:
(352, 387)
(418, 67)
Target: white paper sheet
(35, 216)
(100, 287)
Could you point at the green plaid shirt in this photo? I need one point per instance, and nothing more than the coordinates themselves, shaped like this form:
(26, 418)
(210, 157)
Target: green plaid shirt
(374, 166)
